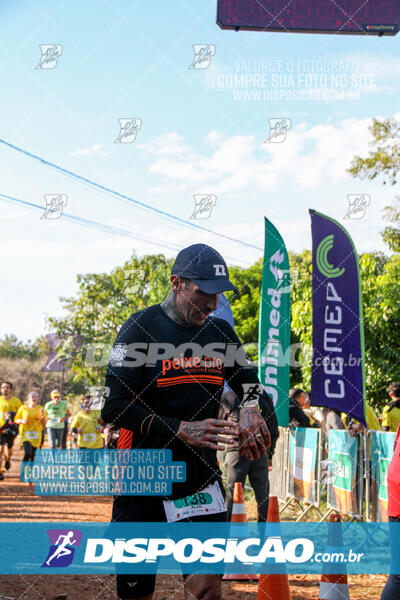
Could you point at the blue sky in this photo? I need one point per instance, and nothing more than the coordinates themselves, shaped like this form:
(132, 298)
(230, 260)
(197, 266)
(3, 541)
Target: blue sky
(203, 131)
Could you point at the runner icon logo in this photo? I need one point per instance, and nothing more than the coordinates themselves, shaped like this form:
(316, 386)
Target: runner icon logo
(61, 551)
(286, 279)
(128, 130)
(50, 53)
(251, 393)
(278, 129)
(203, 54)
(358, 204)
(55, 204)
(204, 204)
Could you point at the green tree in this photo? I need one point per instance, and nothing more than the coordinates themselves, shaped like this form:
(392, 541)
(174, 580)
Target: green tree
(12, 347)
(104, 302)
(246, 305)
(301, 318)
(381, 306)
(383, 160)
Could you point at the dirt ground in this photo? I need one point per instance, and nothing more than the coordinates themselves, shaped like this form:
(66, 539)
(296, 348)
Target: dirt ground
(18, 503)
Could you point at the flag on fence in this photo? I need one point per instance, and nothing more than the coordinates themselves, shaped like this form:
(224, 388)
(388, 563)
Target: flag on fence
(382, 444)
(337, 374)
(274, 323)
(345, 488)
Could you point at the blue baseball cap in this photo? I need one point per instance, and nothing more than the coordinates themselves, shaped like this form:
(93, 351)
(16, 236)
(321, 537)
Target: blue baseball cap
(205, 267)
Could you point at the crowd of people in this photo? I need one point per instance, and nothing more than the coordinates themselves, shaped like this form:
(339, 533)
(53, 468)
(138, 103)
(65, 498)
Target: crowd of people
(50, 424)
(302, 414)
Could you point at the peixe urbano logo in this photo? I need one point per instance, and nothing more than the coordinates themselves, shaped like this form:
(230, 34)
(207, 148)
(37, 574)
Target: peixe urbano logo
(62, 547)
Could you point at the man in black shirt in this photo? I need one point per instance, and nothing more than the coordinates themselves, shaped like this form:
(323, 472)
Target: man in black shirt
(297, 416)
(165, 375)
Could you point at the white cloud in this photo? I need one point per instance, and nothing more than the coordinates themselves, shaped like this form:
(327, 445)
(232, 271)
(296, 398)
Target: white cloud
(309, 157)
(95, 150)
(169, 144)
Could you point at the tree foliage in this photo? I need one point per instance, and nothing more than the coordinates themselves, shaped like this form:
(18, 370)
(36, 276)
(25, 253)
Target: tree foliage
(383, 160)
(104, 302)
(12, 347)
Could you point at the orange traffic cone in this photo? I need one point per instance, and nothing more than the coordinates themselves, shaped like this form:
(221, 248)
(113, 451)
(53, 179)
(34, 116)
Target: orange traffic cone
(239, 515)
(274, 586)
(334, 587)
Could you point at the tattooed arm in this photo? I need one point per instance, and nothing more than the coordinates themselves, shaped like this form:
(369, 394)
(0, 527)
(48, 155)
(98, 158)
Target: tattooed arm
(254, 435)
(209, 433)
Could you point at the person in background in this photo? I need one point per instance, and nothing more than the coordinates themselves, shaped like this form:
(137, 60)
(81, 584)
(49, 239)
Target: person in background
(65, 432)
(314, 413)
(333, 419)
(31, 419)
(391, 412)
(56, 411)
(239, 467)
(111, 436)
(9, 405)
(87, 423)
(297, 416)
(354, 427)
(391, 591)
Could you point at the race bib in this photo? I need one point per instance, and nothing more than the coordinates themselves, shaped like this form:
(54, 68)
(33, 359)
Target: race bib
(89, 437)
(207, 502)
(32, 435)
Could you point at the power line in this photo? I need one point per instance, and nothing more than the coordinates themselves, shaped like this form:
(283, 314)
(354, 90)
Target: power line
(91, 224)
(142, 205)
(98, 226)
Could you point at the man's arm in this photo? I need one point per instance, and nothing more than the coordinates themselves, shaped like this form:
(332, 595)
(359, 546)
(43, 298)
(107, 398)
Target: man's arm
(268, 412)
(254, 435)
(123, 408)
(333, 421)
(385, 419)
(123, 405)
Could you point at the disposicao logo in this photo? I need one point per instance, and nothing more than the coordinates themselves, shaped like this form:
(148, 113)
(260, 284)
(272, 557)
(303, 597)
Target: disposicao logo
(62, 550)
(322, 259)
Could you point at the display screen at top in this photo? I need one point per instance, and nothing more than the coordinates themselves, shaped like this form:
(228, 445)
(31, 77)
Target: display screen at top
(319, 16)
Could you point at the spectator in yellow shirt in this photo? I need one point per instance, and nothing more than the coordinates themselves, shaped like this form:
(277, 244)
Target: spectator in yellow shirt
(87, 423)
(31, 419)
(355, 427)
(9, 405)
(391, 412)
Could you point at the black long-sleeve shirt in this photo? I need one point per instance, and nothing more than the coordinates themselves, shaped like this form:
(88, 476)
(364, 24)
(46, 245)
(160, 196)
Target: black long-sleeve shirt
(297, 416)
(151, 394)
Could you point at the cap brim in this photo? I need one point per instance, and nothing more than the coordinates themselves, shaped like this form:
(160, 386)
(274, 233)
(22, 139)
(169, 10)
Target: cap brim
(215, 286)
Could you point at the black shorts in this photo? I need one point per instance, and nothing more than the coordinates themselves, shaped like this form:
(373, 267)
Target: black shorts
(146, 509)
(7, 439)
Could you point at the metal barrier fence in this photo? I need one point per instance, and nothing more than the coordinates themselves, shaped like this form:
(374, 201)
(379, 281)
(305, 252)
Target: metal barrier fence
(353, 475)
(279, 476)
